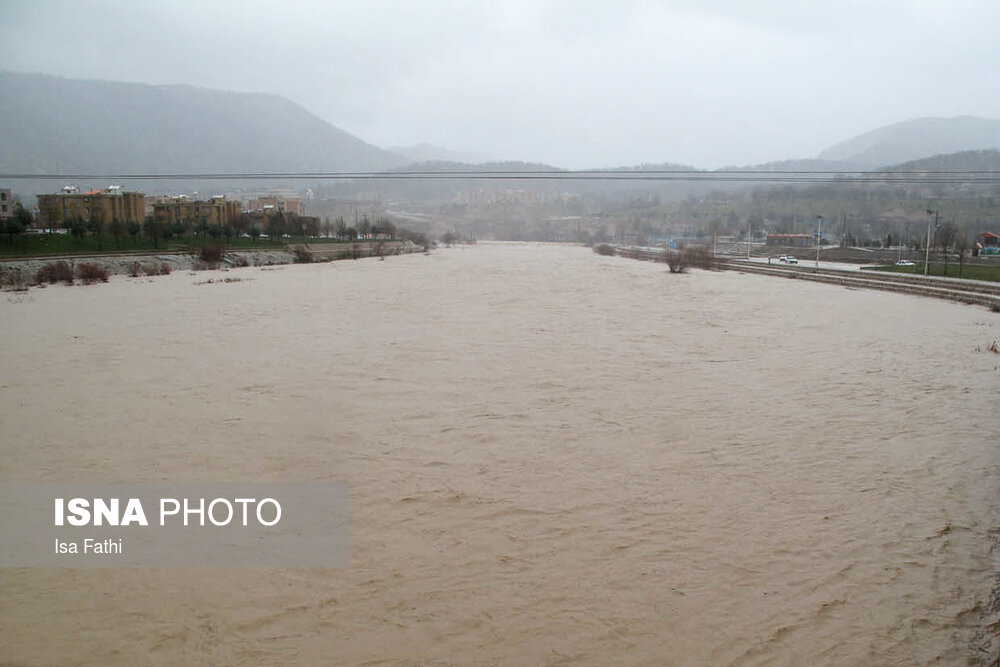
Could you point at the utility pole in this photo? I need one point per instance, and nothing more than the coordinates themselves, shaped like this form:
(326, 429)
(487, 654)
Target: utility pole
(819, 236)
(749, 237)
(927, 247)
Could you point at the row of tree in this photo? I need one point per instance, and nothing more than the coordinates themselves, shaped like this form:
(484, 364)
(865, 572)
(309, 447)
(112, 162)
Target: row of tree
(276, 225)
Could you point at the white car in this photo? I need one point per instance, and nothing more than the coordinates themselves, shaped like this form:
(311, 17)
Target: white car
(904, 262)
(790, 260)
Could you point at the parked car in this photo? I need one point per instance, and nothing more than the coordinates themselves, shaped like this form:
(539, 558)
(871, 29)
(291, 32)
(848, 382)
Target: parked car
(904, 262)
(791, 260)
(782, 258)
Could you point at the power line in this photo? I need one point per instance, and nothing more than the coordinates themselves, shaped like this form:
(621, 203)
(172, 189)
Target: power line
(971, 176)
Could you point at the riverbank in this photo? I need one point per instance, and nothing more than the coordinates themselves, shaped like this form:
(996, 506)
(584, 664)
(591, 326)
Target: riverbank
(22, 273)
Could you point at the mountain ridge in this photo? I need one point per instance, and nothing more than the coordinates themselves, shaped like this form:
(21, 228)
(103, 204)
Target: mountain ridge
(54, 124)
(914, 139)
(58, 125)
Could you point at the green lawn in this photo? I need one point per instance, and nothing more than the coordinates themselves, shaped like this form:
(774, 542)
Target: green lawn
(970, 272)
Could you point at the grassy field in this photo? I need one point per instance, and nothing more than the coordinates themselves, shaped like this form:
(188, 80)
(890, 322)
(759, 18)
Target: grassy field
(967, 271)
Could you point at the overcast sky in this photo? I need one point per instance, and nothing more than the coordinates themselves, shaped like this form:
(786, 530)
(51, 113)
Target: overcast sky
(573, 83)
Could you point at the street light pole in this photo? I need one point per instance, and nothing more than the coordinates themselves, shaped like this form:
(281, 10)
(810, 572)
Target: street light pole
(927, 246)
(819, 236)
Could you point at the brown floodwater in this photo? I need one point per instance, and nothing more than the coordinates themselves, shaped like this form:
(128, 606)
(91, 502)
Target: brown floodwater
(554, 458)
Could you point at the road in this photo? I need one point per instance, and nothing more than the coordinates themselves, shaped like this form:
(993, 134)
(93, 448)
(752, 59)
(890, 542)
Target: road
(807, 262)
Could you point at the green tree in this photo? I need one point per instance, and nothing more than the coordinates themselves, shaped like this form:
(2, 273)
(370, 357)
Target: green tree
(118, 230)
(77, 227)
(241, 224)
(365, 226)
(275, 226)
(155, 228)
(17, 223)
(95, 224)
(51, 214)
(176, 228)
(134, 228)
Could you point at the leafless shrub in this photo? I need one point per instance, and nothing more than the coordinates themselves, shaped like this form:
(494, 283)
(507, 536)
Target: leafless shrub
(241, 261)
(55, 272)
(211, 253)
(699, 257)
(604, 249)
(13, 280)
(155, 269)
(135, 269)
(90, 272)
(302, 255)
(675, 261)
(354, 252)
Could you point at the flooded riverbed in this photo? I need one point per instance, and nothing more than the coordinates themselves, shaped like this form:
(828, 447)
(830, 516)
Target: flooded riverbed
(553, 458)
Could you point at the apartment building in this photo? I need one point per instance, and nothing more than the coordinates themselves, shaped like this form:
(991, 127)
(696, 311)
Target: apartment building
(111, 203)
(6, 204)
(280, 203)
(215, 211)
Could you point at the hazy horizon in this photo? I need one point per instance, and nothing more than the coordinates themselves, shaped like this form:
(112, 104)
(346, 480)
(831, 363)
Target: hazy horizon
(571, 84)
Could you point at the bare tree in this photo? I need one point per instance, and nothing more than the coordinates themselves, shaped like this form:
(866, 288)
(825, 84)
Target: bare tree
(961, 247)
(945, 236)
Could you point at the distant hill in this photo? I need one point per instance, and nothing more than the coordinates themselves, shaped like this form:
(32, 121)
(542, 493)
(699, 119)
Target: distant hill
(50, 124)
(430, 153)
(800, 165)
(985, 160)
(915, 139)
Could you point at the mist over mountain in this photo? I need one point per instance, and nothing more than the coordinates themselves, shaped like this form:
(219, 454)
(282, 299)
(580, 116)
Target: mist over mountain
(802, 165)
(430, 153)
(50, 124)
(56, 125)
(915, 139)
(981, 160)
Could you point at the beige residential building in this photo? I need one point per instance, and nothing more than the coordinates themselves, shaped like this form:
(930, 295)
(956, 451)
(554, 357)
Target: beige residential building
(215, 211)
(6, 204)
(111, 203)
(280, 203)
